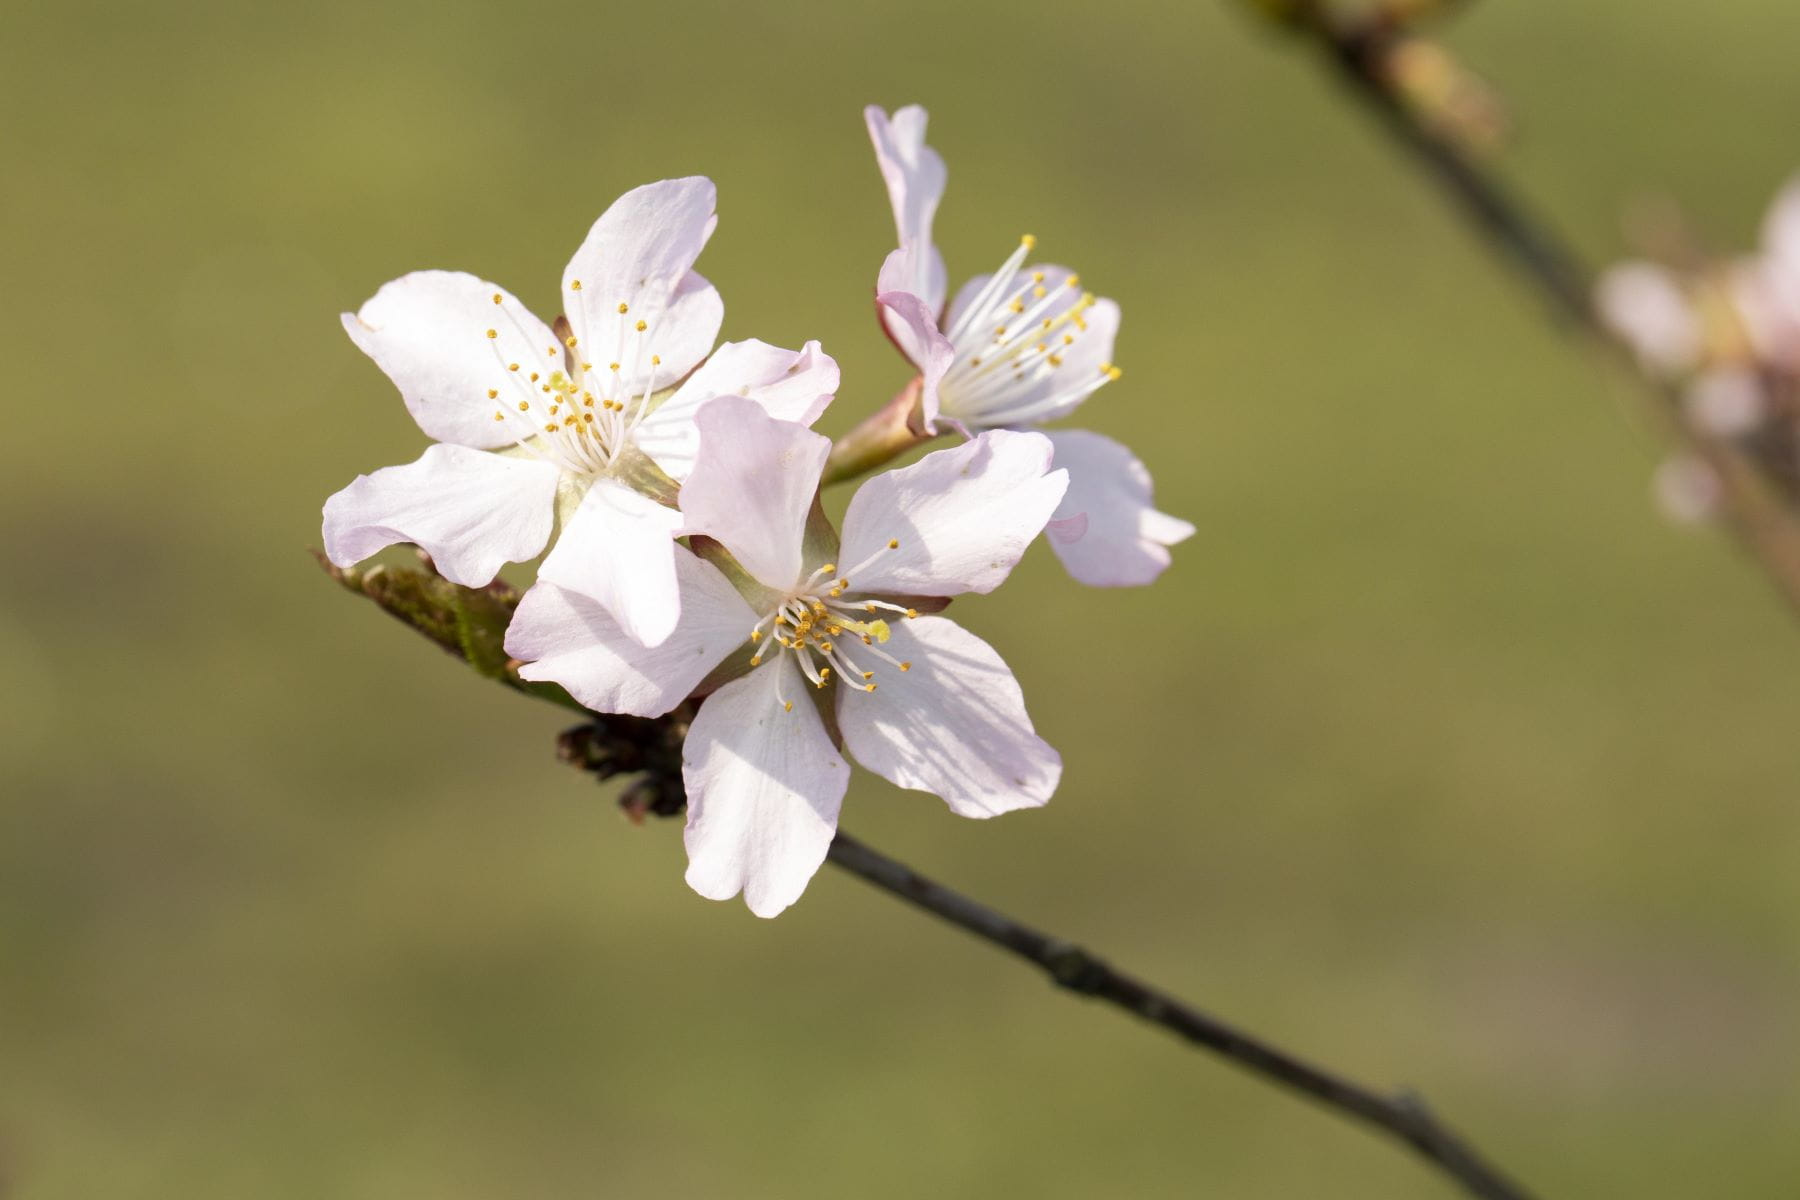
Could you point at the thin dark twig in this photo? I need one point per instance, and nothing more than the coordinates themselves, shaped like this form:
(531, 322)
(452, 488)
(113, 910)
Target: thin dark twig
(1359, 49)
(1402, 1116)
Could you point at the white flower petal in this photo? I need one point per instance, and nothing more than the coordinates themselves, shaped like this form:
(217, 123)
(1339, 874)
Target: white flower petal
(790, 386)
(565, 637)
(1645, 305)
(428, 332)
(764, 786)
(639, 254)
(953, 725)
(619, 550)
(962, 517)
(751, 487)
(915, 177)
(913, 328)
(470, 510)
(1106, 531)
(1781, 227)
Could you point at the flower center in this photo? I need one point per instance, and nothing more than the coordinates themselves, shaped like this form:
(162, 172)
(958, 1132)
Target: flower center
(1011, 341)
(576, 414)
(819, 623)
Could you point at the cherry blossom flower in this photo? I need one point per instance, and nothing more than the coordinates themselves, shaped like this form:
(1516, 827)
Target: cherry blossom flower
(534, 423)
(1019, 348)
(1719, 315)
(792, 615)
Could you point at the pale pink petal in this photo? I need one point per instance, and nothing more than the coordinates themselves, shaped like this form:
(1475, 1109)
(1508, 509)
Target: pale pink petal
(470, 510)
(752, 484)
(764, 786)
(1106, 531)
(790, 386)
(619, 550)
(1645, 305)
(639, 254)
(955, 521)
(915, 177)
(953, 724)
(1781, 227)
(1726, 402)
(914, 330)
(429, 332)
(565, 637)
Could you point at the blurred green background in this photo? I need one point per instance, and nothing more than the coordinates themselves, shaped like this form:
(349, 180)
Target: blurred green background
(1438, 755)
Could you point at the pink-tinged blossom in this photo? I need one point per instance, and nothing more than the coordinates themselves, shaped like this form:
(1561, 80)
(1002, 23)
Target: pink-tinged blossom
(1016, 349)
(805, 614)
(1724, 315)
(578, 422)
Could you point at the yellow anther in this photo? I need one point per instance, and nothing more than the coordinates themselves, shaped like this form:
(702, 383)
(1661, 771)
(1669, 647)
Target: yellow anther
(893, 543)
(1037, 277)
(756, 659)
(493, 333)
(534, 377)
(574, 285)
(613, 367)
(499, 416)
(868, 674)
(496, 297)
(976, 361)
(824, 672)
(656, 360)
(641, 327)
(1041, 347)
(512, 366)
(1038, 291)
(999, 332)
(868, 687)
(1017, 306)
(756, 635)
(585, 367)
(1068, 339)
(869, 607)
(1113, 372)
(493, 393)
(787, 706)
(1048, 322)
(524, 406)
(550, 428)
(1056, 360)
(624, 308)
(906, 666)
(569, 341)
(828, 569)
(1072, 281)
(911, 613)
(867, 640)
(1028, 241)
(588, 417)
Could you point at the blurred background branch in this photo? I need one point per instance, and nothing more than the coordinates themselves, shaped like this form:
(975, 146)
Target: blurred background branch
(471, 622)
(1445, 120)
